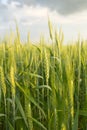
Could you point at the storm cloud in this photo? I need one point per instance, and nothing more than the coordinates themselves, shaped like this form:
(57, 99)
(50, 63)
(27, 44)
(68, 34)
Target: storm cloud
(64, 7)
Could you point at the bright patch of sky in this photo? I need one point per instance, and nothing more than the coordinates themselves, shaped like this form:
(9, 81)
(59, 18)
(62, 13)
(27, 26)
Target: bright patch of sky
(32, 16)
(4, 1)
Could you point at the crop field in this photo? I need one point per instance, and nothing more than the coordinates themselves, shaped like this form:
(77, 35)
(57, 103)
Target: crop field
(43, 86)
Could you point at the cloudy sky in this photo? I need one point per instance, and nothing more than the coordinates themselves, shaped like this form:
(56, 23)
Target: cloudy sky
(32, 16)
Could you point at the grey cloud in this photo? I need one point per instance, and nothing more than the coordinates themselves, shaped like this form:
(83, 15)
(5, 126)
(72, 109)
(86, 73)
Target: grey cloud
(64, 7)
(5, 13)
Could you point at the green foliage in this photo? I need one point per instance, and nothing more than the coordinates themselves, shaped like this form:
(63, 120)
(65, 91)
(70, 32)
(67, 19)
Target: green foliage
(43, 86)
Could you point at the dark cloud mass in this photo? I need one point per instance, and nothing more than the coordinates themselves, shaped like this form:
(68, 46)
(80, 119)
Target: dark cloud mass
(64, 7)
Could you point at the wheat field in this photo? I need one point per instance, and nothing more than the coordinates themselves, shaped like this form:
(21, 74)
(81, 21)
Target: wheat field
(43, 86)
